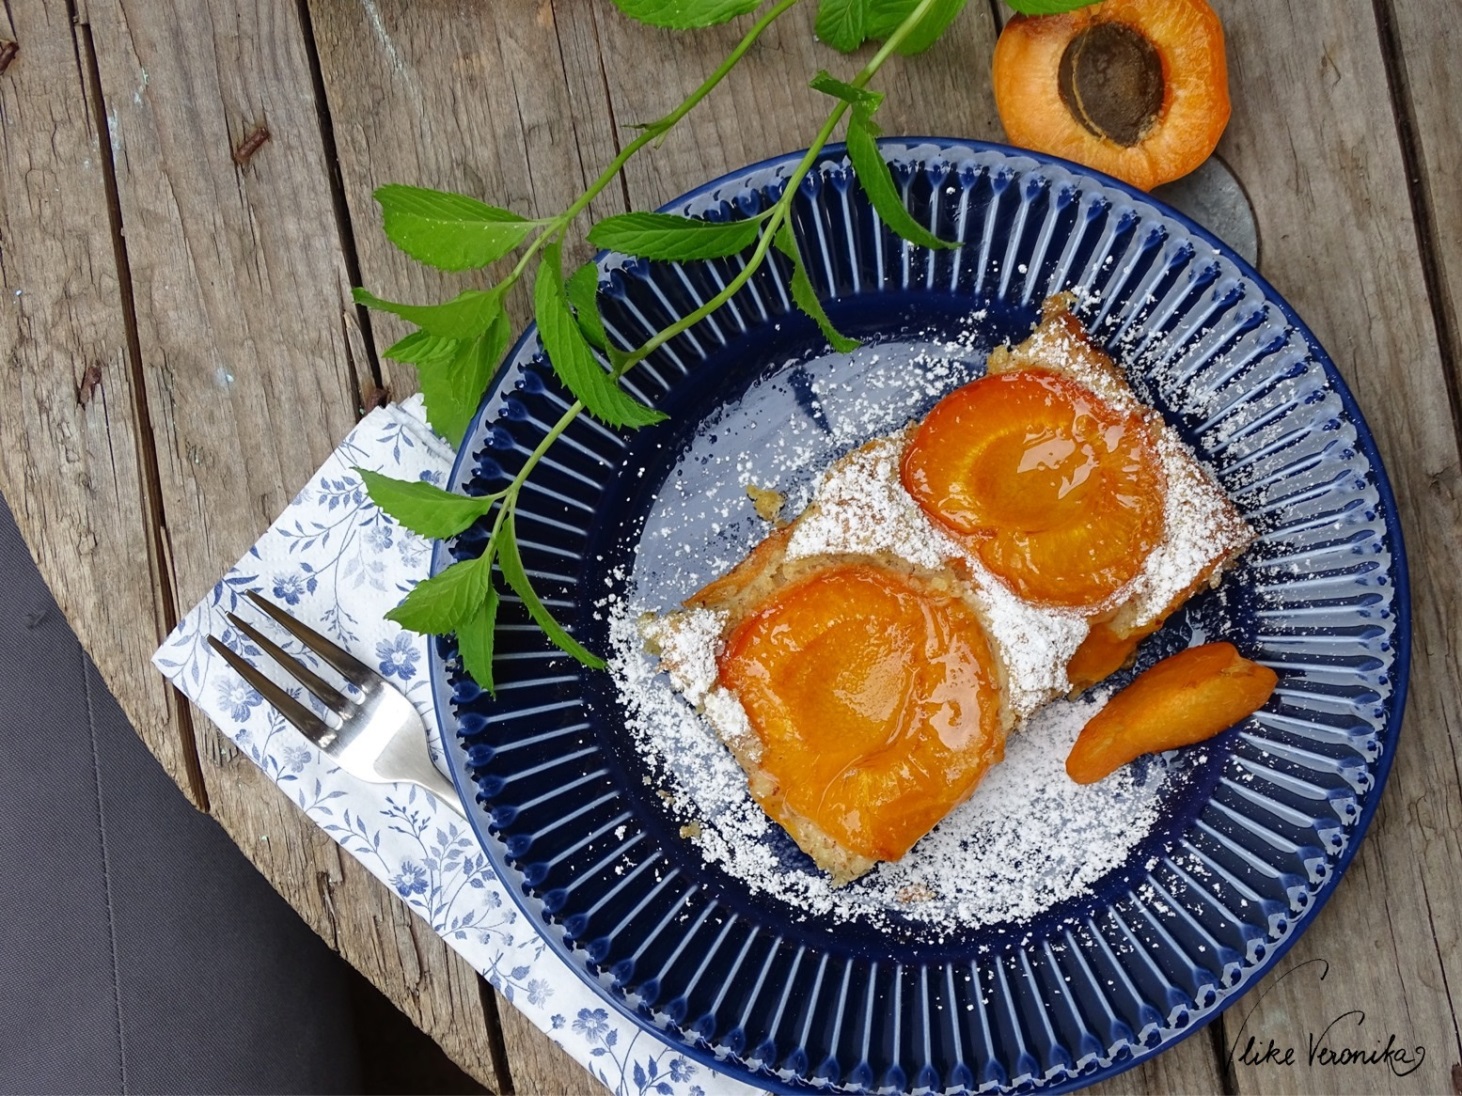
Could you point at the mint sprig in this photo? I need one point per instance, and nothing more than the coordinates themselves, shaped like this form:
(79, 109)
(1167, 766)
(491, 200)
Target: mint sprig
(460, 342)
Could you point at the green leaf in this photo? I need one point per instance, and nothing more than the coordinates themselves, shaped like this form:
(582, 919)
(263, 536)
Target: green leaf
(873, 173)
(684, 14)
(449, 231)
(422, 507)
(842, 24)
(511, 565)
(884, 17)
(447, 599)
(669, 237)
(453, 386)
(583, 293)
(465, 316)
(572, 357)
(1048, 7)
(806, 296)
(419, 348)
(475, 640)
(859, 97)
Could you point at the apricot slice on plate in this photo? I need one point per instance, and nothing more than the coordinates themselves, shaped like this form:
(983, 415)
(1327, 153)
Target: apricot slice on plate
(1187, 698)
(875, 701)
(1056, 492)
(1135, 88)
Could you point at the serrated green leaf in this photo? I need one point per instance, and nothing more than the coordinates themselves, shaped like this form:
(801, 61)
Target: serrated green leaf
(419, 348)
(465, 316)
(422, 507)
(475, 638)
(842, 24)
(1048, 7)
(571, 356)
(873, 174)
(884, 17)
(858, 97)
(444, 601)
(805, 295)
(449, 231)
(511, 565)
(684, 14)
(668, 237)
(453, 386)
(583, 293)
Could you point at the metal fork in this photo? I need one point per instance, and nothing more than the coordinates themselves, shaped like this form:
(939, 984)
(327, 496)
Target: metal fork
(381, 737)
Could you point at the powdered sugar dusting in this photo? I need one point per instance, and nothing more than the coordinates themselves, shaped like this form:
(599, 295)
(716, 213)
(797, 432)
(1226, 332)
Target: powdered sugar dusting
(1199, 525)
(1028, 839)
(860, 506)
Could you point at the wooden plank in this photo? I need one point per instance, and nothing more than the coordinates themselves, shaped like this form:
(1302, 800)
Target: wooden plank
(1314, 137)
(1424, 39)
(473, 99)
(470, 99)
(241, 325)
(72, 464)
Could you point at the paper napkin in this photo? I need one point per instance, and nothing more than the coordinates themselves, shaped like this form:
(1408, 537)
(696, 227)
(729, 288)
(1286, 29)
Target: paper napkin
(336, 562)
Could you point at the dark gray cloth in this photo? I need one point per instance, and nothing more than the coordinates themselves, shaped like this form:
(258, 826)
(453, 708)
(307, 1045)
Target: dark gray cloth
(139, 950)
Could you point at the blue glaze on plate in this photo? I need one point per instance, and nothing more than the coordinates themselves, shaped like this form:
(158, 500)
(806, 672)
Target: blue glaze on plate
(1255, 831)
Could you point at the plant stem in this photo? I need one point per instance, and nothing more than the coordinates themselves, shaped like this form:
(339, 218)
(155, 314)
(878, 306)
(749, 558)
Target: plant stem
(556, 226)
(784, 203)
(779, 213)
(656, 129)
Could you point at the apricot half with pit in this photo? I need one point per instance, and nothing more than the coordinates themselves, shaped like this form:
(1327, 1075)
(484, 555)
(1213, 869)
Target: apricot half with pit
(1135, 88)
(1054, 490)
(875, 701)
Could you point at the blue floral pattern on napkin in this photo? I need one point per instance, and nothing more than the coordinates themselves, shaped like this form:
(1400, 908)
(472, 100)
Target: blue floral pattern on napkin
(338, 563)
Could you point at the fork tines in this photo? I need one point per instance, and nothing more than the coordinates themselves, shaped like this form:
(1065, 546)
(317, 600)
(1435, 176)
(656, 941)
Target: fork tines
(349, 667)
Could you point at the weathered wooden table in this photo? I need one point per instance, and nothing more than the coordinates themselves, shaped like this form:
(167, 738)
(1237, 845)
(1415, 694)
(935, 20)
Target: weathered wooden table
(180, 352)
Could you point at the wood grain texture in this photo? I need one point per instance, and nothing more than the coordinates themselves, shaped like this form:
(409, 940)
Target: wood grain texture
(467, 97)
(765, 108)
(1315, 140)
(72, 463)
(1425, 38)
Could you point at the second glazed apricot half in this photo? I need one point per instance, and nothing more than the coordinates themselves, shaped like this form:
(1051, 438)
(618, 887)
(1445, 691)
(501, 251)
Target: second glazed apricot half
(1057, 492)
(875, 701)
(1135, 88)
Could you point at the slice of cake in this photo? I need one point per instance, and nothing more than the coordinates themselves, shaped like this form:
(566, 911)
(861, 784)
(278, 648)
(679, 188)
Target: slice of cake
(865, 662)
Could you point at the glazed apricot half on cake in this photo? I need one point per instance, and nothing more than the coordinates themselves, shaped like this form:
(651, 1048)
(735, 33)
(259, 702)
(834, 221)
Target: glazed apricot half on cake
(1055, 491)
(876, 702)
(1135, 88)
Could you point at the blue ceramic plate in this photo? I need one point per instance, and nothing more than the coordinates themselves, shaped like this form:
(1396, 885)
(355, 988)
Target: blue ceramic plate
(1248, 843)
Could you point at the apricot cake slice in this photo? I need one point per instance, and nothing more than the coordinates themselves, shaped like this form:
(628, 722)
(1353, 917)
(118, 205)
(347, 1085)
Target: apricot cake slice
(865, 662)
